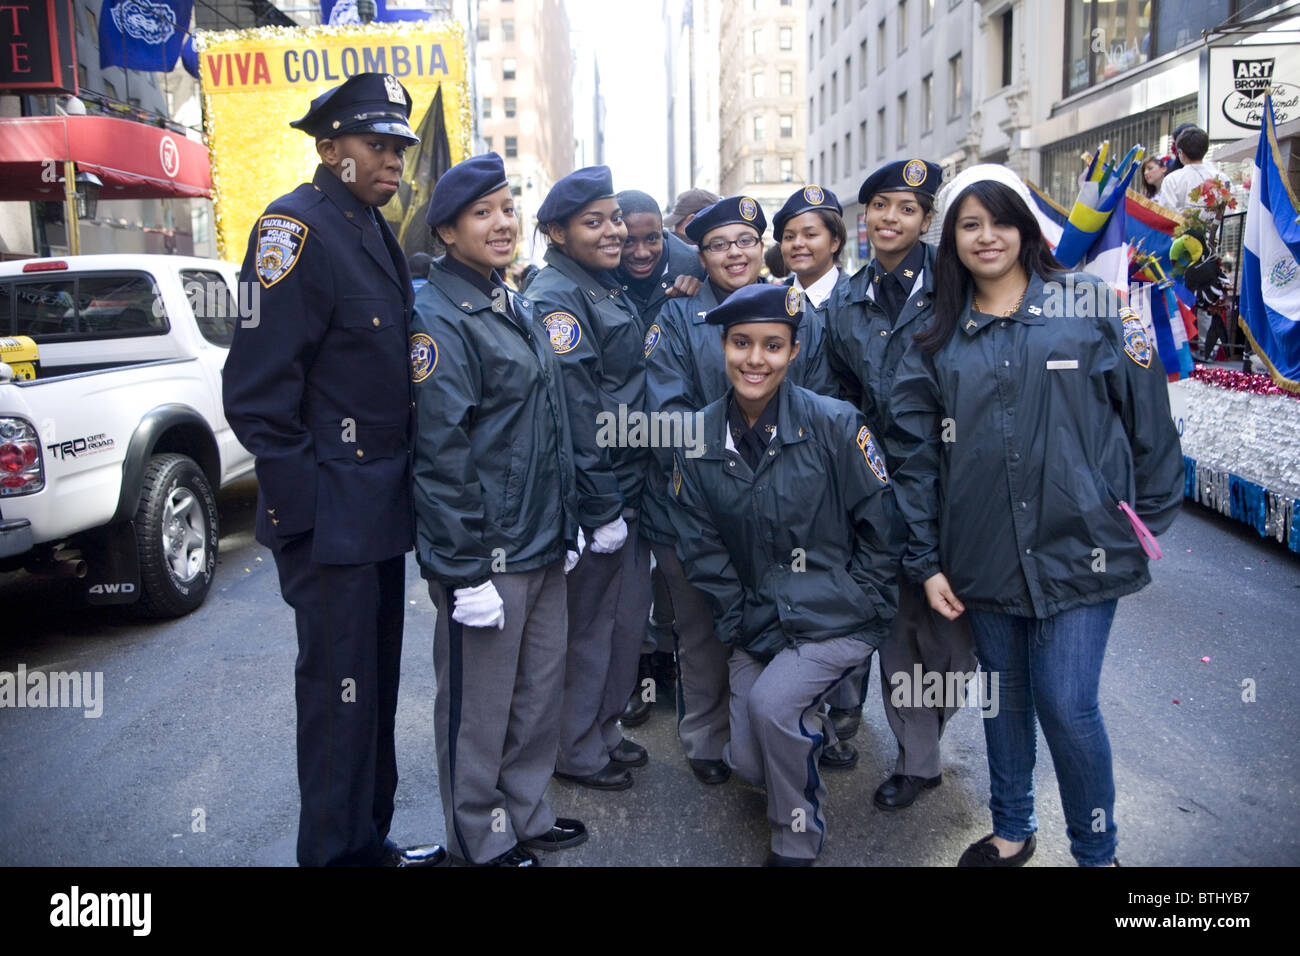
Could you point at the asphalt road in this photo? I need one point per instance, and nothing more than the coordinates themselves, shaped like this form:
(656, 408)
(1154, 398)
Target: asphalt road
(197, 725)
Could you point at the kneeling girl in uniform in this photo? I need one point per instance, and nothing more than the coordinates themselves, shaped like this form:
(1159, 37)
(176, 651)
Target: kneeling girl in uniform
(787, 521)
(496, 517)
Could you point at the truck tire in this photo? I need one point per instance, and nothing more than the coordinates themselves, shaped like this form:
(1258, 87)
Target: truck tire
(176, 534)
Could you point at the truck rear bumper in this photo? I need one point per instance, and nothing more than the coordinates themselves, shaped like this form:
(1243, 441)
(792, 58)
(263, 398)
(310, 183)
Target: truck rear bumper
(15, 537)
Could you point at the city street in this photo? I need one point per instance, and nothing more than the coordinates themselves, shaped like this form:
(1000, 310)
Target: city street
(197, 727)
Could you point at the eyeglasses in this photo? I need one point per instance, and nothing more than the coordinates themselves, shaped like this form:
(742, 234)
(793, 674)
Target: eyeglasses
(722, 245)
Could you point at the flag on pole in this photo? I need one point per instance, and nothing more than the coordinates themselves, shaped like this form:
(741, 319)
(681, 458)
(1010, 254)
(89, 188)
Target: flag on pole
(1270, 267)
(345, 11)
(143, 34)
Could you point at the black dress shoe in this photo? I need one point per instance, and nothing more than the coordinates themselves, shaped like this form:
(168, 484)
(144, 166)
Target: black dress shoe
(843, 756)
(563, 834)
(711, 771)
(609, 777)
(515, 856)
(429, 854)
(628, 754)
(900, 790)
(776, 859)
(637, 710)
(984, 853)
(846, 721)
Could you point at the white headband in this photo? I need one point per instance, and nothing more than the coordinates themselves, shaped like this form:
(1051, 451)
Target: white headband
(973, 174)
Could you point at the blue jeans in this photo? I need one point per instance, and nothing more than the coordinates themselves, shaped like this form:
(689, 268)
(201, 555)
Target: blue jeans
(1050, 667)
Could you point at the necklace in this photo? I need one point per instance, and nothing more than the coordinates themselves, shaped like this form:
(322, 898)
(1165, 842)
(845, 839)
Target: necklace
(1011, 311)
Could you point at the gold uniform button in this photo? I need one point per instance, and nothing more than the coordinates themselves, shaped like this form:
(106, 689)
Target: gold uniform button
(360, 453)
(275, 521)
(375, 321)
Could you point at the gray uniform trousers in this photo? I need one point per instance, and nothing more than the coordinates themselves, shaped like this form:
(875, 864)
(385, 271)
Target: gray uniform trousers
(777, 736)
(851, 693)
(495, 719)
(921, 635)
(609, 600)
(703, 722)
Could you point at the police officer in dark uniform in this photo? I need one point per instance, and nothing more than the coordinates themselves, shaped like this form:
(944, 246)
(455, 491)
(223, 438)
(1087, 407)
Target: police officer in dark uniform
(317, 388)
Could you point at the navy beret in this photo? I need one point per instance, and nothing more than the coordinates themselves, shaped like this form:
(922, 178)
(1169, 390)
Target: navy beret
(366, 103)
(917, 175)
(574, 191)
(760, 302)
(805, 200)
(724, 212)
(465, 182)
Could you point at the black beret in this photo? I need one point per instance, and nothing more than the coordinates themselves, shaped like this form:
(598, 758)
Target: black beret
(724, 212)
(367, 103)
(760, 302)
(465, 182)
(805, 200)
(918, 175)
(574, 191)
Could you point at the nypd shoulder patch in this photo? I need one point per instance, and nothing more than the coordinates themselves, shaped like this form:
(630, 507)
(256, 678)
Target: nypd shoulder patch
(564, 331)
(869, 452)
(279, 247)
(424, 356)
(1136, 345)
(651, 339)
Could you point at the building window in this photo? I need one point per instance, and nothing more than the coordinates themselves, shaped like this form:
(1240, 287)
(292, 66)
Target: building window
(787, 170)
(1106, 39)
(862, 143)
(786, 3)
(862, 65)
(758, 171)
(821, 35)
(508, 31)
(902, 25)
(835, 162)
(487, 143)
(927, 103)
(786, 83)
(848, 13)
(821, 103)
(756, 41)
(510, 107)
(94, 24)
(835, 90)
(848, 66)
(848, 153)
(785, 38)
(787, 126)
(757, 85)
(812, 172)
(82, 75)
(927, 14)
(880, 47)
(812, 115)
(759, 127)
(902, 119)
(109, 89)
(954, 86)
(512, 147)
(484, 29)
(1006, 48)
(812, 46)
(508, 67)
(487, 107)
(821, 161)
(880, 133)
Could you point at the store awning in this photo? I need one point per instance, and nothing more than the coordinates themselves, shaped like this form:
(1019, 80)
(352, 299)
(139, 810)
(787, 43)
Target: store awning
(134, 161)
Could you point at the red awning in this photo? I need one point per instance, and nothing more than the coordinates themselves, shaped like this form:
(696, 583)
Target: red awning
(134, 161)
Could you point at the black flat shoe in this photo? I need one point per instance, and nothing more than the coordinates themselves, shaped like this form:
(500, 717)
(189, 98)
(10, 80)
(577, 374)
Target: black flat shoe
(776, 859)
(845, 721)
(609, 777)
(563, 834)
(430, 854)
(901, 791)
(628, 754)
(515, 856)
(843, 756)
(637, 711)
(710, 771)
(984, 853)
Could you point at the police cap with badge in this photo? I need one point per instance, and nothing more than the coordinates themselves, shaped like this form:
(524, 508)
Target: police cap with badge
(725, 212)
(910, 175)
(464, 183)
(761, 302)
(366, 103)
(570, 194)
(805, 200)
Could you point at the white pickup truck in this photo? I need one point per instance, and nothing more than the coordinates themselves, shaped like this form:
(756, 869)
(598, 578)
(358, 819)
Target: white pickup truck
(110, 455)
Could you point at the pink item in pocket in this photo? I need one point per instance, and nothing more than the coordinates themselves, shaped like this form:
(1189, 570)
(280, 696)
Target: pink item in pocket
(1144, 535)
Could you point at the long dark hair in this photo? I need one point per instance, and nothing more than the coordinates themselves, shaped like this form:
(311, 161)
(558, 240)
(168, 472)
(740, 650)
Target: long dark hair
(952, 280)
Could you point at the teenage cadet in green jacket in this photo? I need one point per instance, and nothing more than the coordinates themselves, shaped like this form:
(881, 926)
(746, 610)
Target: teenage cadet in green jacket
(597, 335)
(496, 512)
(787, 521)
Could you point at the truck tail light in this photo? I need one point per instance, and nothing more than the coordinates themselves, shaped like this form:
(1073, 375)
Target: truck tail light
(22, 470)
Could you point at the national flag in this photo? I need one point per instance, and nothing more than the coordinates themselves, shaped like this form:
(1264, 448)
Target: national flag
(425, 164)
(1270, 267)
(345, 11)
(143, 34)
(1108, 255)
(1051, 217)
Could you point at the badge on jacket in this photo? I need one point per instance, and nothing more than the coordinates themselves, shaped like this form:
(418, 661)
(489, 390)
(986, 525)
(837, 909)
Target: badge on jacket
(424, 357)
(1135, 339)
(651, 339)
(279, 246)
(872, 456)
(564, 331)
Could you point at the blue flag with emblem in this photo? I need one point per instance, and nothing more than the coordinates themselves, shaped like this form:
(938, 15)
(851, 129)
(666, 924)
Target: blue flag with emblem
(345, 11)
(143, 34)
(1270, 262)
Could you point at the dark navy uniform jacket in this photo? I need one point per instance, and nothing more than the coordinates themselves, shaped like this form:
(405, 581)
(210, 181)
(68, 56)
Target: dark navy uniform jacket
(677, 259)
(319, 388)
(804, 547)
(1019, 439)
(493, 458)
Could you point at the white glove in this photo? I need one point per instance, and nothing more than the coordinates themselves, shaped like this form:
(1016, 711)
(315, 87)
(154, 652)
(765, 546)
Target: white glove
(570, 560)
(479, 607)
(609, 538)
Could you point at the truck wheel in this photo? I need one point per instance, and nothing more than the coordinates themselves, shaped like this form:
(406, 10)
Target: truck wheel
(176, 534)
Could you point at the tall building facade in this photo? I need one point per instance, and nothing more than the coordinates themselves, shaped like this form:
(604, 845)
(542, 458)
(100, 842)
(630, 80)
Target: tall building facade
(693, 40)
(760, 117)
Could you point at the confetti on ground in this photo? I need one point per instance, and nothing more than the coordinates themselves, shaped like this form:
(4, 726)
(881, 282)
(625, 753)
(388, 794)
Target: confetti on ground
(1205, 660)
(259, 559)
(246, 571)
(1175, 700)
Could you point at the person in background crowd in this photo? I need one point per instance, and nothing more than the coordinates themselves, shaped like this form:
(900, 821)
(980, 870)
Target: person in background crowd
(333, 479)
(419, 265)
(1191, 147)
(496, 512)
(776, 267)
(686, 208)
(788, 523)
(1030, 519)
(597, 334)
(884, 304)
(1153, 174)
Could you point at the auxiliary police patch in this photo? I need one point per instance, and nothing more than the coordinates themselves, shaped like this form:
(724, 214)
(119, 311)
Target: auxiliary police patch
(1135, 340)
(651, 339)
(792, 301)
(748, 209)
(873, 457)
(677, 476)
(814, 195)
(424, 357)
(914, 172)
(279, 246)
(564, 331)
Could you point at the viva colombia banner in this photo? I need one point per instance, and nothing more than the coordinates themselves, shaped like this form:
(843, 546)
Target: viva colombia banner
(256, 81)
